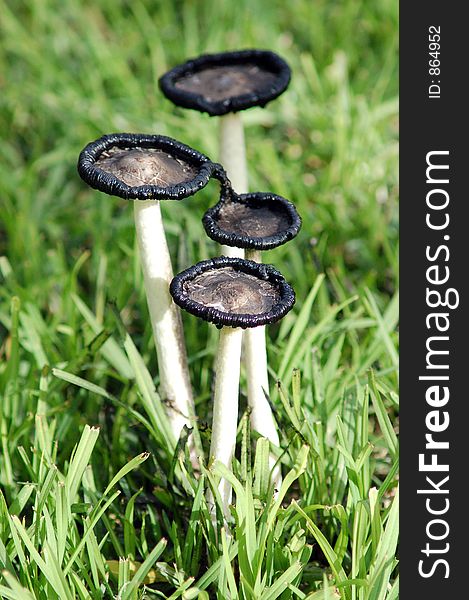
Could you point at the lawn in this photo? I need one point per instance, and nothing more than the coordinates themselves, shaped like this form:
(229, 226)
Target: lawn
(94, 501)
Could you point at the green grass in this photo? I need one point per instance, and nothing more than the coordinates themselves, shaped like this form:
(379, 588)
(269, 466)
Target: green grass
(95, 502)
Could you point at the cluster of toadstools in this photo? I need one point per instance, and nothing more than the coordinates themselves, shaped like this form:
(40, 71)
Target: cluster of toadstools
(236, 291)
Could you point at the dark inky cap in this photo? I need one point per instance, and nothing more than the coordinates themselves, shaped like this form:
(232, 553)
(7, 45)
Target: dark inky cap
(256, 221)
(143, 167)
(233, 292)
(227, 82)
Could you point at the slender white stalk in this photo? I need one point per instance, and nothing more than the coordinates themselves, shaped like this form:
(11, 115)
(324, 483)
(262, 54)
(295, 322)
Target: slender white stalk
(225, 405)
(165, 317)
(233, 158)
(262, 419)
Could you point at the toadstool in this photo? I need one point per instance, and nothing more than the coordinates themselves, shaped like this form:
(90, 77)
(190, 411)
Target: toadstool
(146, 169)
(222, 85)
(234, 294)
(257, 221)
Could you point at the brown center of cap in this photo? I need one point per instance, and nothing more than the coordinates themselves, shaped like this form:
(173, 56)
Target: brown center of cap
(218, 83)
(145, 166)
(253, 221)
(232, 291)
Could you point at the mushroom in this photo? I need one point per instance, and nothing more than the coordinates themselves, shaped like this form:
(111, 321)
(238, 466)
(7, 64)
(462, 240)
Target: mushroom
(222, 85)
(148, 168)
(257, 221)
(234, 294)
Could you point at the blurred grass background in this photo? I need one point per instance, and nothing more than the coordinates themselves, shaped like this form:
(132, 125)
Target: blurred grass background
(71, 71)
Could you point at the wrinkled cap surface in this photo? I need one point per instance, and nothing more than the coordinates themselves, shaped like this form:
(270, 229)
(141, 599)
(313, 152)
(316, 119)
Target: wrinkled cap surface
(145, 166)
(259, 221)
(227, 82)
(139, 166)
(233, 292)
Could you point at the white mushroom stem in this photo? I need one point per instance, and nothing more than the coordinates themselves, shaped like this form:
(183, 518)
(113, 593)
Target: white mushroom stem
(164, 314)
(233, 158)
(262, 419)
(232, 151)
(225, 405)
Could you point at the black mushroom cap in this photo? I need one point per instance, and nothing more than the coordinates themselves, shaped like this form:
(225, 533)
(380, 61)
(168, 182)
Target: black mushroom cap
(227, 82)
(143, 167)
(233, 292)
(255, 221)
